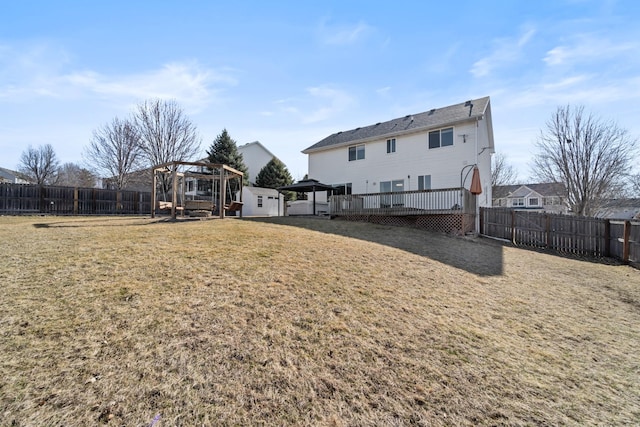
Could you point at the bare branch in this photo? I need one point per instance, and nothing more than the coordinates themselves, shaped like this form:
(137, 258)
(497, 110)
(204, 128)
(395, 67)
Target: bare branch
(590, 156)
(166, 133)
(115, 151)
(40, 164)
(502, 173)
(72, 175)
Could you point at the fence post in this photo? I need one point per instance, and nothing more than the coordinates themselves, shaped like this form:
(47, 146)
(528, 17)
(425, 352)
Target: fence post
(481, 230)
(118, 202)
(513, 226)
(75, 201)
(606, 250)
(625, 244)
(547, 220)
(42, 206)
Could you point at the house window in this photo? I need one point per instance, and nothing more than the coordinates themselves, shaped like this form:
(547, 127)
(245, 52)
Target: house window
(259, 201)
(549, 201)
(204, 186)
(533, 201)
(356, 152)
(518, 202)
(190, 186)
(441, 138)
(391, 145)
(392, 200)
(341, 189)
(424, 182)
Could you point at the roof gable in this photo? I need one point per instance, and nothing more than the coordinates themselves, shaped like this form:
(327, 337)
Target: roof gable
(256, 144)
(434, 118)
(522, 190)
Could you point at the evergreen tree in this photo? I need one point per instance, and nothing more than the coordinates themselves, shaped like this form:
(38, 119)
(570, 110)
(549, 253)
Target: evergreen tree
(273, 175)
(224, 150)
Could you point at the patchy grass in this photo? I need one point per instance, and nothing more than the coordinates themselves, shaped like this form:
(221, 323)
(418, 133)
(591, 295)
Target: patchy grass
(306, 322)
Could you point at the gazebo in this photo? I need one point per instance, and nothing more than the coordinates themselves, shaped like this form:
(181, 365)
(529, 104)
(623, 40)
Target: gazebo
(307, 186)
(179, 170)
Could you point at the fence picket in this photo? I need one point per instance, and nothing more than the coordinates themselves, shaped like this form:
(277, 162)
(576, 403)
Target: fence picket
(596, 237)
(17, 199)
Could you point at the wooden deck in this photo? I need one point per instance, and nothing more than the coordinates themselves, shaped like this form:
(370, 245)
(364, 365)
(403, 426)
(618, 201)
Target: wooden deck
(450, 210)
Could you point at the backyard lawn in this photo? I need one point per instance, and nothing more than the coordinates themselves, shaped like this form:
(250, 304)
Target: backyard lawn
(285, 321)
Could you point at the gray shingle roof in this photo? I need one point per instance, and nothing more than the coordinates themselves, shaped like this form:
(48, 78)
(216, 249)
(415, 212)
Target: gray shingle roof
(433, 118)
(545, 189)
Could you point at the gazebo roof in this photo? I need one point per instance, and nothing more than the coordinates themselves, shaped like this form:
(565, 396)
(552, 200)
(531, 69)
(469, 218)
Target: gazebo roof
(306, 186)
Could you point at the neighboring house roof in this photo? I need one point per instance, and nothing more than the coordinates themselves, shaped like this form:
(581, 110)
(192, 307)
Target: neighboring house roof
(620, 209)
(434, 118)
(522, 190)
(256, 143)
(13, 176)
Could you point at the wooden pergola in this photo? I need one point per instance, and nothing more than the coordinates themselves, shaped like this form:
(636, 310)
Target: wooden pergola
(218, 172)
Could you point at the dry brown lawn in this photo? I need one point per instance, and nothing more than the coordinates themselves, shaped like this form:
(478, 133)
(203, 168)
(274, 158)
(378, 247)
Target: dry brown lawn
(134, 322)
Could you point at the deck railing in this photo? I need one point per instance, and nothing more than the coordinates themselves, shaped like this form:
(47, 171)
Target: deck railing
(417, 202)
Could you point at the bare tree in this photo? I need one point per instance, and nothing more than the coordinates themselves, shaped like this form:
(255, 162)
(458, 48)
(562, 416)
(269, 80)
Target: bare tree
(166, 134)
(40, 164)
(502, 173)
(73, 175)
(115, 151)
(634, 184)
(588, 155)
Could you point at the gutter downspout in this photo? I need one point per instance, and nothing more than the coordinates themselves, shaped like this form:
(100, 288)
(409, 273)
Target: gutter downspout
(477, 221)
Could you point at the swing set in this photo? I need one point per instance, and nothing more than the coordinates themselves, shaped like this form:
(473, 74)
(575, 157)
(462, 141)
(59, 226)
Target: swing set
(180, 174)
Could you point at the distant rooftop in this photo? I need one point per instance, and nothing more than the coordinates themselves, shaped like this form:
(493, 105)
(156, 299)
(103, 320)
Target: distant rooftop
(547, 189)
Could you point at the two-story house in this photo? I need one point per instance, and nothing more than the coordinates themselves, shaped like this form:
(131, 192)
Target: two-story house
(545, 197)
(429, 150)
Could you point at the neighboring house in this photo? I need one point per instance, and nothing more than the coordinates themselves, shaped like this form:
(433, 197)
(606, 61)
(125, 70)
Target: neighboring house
(258, 201)
(13, 177)
(255, 156)
(422, 151)
(620, 209)
(140, 180)
(549, 197)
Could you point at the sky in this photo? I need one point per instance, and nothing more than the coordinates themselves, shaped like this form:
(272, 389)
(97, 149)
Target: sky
(290, 73)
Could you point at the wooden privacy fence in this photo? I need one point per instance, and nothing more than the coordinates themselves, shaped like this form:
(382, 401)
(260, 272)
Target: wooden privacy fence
(20, 199)
(595, 237)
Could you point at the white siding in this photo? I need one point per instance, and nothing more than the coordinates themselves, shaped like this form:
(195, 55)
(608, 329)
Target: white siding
(412, 158)
(270, 201)
(255, 157)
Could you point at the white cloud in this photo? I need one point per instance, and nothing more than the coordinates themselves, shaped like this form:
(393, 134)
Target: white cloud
(188, 83)
(581, 89)
(343, 34)
(383, 91)
(42, 70)
(587, 48)
(507, 50)
(320, 104)
(335, 101)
